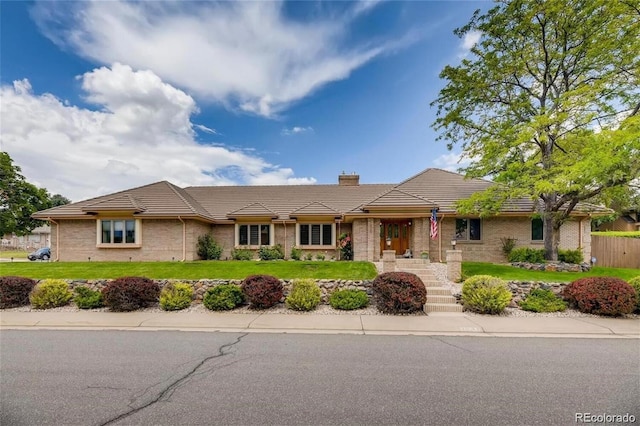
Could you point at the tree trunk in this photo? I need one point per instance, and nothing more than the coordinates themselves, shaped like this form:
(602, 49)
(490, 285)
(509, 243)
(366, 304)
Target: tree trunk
(551, 238)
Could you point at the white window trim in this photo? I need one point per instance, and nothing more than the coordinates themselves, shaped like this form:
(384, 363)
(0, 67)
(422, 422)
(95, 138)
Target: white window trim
(271, 234)
(333, 235)
(138, 234)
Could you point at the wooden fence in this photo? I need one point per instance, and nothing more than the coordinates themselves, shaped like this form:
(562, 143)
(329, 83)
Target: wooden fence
(616, 252)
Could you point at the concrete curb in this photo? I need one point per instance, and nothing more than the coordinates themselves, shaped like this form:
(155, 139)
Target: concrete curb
(436, 325)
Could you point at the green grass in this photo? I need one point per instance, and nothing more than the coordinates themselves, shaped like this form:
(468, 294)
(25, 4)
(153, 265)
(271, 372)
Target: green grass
(507, 272)
(16, 254)
(191, 270)
(627, 234)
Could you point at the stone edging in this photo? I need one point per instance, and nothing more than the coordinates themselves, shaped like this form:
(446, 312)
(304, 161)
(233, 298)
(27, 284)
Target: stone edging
(200, 287)
(553, 266)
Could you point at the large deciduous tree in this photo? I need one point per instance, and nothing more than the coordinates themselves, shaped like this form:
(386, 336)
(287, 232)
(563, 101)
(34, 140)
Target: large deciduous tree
(18, 199)
(547, 104)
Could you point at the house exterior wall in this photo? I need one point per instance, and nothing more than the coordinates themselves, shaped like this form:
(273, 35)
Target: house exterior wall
(284, 234)
(360, 239)
(420, 230)
(161, 241)
(225, 236)
(195, 229)
(489, 249)
(620, 225)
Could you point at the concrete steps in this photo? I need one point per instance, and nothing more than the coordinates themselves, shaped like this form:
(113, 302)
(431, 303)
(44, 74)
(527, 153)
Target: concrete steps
(442, 307)
(439, 299)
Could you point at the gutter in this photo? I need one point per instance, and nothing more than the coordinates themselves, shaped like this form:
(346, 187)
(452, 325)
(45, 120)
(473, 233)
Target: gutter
(184, 239)
(440, 237)
(57, 238)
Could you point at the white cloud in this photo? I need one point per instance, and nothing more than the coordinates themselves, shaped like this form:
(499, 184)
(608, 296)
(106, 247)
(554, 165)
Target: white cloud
(296, 130)
(469, 40)
(142, 134)
(246, 55)
(364, 6)
(451, 161)
(206, 129)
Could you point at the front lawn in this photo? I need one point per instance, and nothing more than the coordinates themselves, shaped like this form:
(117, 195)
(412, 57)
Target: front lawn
(507, 272)
(191, 270)
(16, 254)
(626, 234)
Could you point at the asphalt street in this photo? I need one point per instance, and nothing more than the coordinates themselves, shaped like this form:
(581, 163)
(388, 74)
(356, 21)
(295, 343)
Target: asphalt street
(194, 378)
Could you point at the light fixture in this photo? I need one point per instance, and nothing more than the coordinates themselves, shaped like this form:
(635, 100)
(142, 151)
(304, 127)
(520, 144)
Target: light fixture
(453, 243)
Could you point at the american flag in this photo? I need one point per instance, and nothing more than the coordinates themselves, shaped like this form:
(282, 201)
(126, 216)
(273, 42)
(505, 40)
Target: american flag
(434, 225)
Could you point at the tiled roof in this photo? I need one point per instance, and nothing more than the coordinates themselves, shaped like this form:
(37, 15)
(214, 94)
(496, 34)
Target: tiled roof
(160, 199)
(123, 202)
(315, 208)
(283, 200)
(253, 210)
(398, 198)
(428, 189)
(442, 187)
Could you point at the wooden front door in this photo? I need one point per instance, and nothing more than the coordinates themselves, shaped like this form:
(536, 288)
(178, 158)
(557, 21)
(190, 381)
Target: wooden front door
(394, 235)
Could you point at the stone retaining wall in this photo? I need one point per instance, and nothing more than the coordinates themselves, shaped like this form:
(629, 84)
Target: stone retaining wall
(520, 289)
(553, 266)
(201, 286)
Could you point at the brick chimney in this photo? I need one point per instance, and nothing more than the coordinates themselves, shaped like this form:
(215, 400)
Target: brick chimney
(349, 180)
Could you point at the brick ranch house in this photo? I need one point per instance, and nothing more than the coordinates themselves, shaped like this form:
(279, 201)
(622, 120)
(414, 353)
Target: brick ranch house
(162, 222)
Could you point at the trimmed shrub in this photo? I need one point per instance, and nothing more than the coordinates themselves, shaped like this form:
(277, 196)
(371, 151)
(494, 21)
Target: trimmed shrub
(570, 256)
(223, 297)
(14, 291)
(130, 293)
(263, 291)
(296, 253)
(635, 284)
(540, 300)
(485, 294)
(601, 295)
(320, 256)
(271, 253)
(399, 292)
(50, 293)
(305, 295)
(348, 299)
(242, 254)
(508, 244)
(308, 256)
(85, 298)
(208, 248)
(176, 296)
(526, 254)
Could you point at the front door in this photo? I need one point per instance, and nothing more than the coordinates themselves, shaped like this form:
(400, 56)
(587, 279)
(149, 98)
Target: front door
(394, 235)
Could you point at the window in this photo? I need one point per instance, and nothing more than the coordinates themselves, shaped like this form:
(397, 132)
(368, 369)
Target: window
(468, 229)
(118, 231)
(254, 235)
(320, 234)
(537, 230)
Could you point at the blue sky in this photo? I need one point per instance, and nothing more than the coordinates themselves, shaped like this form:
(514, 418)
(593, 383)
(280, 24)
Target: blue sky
(103, 96)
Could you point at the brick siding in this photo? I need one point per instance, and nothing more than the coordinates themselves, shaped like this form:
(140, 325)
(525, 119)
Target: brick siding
(161, 241)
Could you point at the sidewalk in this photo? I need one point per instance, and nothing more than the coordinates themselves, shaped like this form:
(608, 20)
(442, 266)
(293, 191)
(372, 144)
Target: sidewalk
(435, 324)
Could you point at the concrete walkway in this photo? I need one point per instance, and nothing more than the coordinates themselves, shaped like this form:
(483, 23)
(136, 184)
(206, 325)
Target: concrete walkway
(434, 324)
